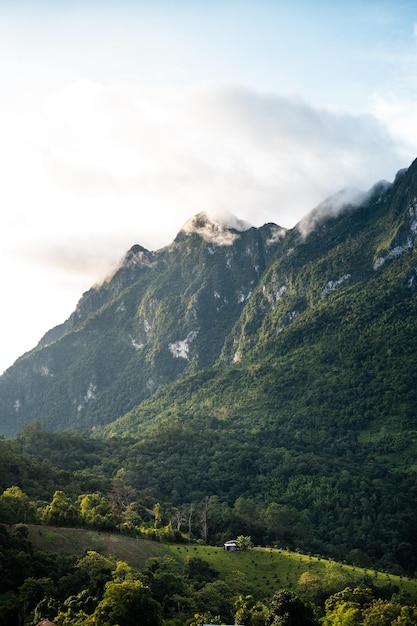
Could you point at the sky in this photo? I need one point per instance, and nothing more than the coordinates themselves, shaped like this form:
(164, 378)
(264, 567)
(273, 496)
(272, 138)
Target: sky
(121, 119)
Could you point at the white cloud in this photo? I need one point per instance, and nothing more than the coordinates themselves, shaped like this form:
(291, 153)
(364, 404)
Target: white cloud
(338, 203)
(96, 168)
(399, 114)
(215, 228)
(202, 148)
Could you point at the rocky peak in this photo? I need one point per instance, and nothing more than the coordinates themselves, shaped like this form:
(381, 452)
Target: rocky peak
(222, 229)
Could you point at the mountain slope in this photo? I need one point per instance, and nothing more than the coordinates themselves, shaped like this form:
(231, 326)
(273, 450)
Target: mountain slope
(331, 323)
(162, 315)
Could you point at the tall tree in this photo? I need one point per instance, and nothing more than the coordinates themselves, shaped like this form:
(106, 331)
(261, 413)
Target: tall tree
(15, 506)
(127, 603)
(286, 609)
(61, 511)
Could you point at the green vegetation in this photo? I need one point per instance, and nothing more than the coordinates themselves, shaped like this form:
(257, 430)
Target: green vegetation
(75, 576)
(77, 541)
(343, 502)
(264, 568)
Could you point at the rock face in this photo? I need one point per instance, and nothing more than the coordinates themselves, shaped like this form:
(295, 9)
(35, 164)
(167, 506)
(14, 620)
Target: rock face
(221, 294)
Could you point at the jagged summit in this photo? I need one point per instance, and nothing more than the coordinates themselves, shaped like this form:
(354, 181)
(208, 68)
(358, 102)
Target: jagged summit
(348, 199)
(219, 229)
(138, 256)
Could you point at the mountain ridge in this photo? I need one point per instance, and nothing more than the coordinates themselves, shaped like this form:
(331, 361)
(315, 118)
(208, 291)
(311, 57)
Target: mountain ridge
(184, 274)
(220, 289)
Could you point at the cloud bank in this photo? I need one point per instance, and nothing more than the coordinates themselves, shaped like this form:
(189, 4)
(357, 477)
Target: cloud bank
(137, 163)
(203, 143)
(96, 168)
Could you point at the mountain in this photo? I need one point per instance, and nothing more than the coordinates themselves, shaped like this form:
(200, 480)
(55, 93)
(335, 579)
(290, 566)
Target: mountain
(266, 373)
(228, 293)
(161, 316)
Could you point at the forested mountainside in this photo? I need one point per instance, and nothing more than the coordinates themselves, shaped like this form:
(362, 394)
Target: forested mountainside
(262, 375)
(162, 315)
(219, 295)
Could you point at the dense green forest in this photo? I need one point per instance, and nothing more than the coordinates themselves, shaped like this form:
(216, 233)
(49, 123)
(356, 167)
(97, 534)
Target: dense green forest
(179, 586)
(342, 505)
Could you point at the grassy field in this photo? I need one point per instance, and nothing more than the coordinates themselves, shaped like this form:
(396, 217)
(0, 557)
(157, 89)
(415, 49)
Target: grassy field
(267, 570)
(77, 541)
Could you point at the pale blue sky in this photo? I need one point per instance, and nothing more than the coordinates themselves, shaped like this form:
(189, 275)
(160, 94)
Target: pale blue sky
(336, 52)
(119, 120)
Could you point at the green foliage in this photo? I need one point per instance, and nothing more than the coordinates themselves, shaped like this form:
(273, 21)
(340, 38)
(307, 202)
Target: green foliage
(199, 619)
(113, 352)
(345, 614)
(381, 613)
(15, 506)
(127, 603)
(341, 501)
(199, 571)
(359, 607)
(245, 542)
(358, 596)
(250, 612)
(187, 584)
(96, 570)
(286, 609)
(95, 510)
(61, 511)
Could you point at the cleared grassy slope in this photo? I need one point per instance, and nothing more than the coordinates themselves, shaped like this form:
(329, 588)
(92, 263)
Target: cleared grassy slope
(77, 541)
(267, 570)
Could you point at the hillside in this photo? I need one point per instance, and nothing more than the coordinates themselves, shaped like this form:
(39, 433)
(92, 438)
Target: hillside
(265, 570)
(77, 576)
